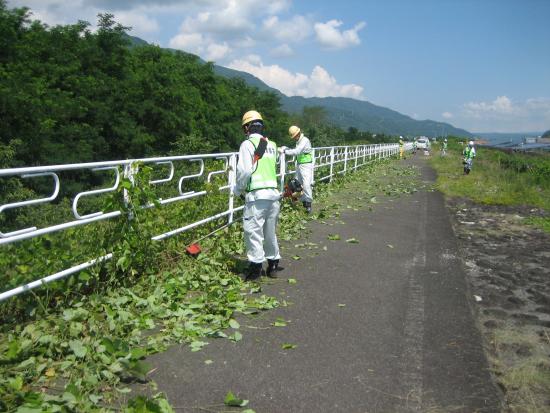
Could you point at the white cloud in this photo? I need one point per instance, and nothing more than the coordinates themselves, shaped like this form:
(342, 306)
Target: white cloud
(502, 105)
(330, 37)
(276, 6)
(319, 83)
(191, 42)
(295, 29)
(140, 23)
(283, 50)
(200, 45)
(220, 28)
(447, 115)
(506, 115)
(216, 51)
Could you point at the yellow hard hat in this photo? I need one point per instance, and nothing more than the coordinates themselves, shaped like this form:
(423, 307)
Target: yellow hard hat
(250, 116)
(293, 131)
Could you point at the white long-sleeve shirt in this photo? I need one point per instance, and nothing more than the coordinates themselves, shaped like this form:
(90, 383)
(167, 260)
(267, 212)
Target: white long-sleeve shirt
(302, 146)
(245, 168)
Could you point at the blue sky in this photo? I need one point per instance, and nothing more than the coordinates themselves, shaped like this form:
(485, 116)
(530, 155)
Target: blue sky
(481, 65)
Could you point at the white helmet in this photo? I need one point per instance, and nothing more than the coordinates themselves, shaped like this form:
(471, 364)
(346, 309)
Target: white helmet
(471, 143)
(445, 139)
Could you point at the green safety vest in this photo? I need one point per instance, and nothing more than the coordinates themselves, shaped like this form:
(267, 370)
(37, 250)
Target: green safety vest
(304, 158)
(400, 143)
(265, 174)
(467, 153)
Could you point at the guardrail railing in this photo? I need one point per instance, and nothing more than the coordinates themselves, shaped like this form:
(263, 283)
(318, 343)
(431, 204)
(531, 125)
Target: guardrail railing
(328, 163)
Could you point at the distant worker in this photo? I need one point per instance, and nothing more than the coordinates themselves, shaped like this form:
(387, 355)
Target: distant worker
(304, 157)
(401, 147)
(414, 146)
(257, 178)
(468, 154)
(444, 147)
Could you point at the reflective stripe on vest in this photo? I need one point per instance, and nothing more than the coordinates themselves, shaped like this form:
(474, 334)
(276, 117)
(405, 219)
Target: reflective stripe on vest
(265, 174)
(304, 158)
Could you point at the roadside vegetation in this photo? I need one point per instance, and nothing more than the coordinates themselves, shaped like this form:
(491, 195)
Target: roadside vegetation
(497, 178)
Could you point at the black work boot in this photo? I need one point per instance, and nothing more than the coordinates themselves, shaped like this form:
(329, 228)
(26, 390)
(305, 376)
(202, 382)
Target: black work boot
(254, 271)
(272, 268)
(307, 206)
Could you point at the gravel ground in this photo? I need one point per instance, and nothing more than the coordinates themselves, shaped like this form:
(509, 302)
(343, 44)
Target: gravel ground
(508, 267)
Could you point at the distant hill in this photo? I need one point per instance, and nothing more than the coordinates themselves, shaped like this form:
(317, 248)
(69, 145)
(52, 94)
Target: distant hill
(348, 112)
(249, 79)
(546, 134)
(363, 115)
(136, 41)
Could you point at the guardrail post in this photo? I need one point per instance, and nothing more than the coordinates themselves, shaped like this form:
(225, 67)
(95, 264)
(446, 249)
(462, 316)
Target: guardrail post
(282, 171)
(129, 171)
(345, 159)
(331, 163)
(313, 166)
(356, 156)
(232, 182)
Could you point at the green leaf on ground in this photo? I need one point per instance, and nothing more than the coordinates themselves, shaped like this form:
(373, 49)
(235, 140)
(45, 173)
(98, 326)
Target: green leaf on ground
(288, 346)
(232, 400)
(137, 369)
(197, 345)
(208, 362)
(341, 305)
(236, 337)
(279, 322)
(234, 324)
(78, 348)
(352, 241)
(296, 257)
(389, 246)
(292, 281)
(333, 237)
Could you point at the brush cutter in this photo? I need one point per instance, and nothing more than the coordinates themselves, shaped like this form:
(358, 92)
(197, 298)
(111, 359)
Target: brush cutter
(194, 249)
(293, 189)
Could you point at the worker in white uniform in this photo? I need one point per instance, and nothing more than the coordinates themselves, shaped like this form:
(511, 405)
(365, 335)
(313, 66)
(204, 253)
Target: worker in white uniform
(304, 158)
(257, 181)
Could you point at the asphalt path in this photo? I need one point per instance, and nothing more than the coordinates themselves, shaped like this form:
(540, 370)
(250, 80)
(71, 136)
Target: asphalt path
(382, 325)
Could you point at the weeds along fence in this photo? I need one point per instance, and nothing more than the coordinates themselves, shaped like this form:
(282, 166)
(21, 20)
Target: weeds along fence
(199, 185)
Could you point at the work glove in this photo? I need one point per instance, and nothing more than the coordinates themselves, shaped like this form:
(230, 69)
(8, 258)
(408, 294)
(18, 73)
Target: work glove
(260, 150)
(282, 149)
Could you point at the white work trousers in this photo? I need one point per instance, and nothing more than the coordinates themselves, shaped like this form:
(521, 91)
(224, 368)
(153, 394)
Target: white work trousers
(260, 222)
(304, 174)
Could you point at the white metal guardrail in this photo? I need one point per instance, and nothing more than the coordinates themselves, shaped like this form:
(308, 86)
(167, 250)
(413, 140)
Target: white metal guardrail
(328, 162)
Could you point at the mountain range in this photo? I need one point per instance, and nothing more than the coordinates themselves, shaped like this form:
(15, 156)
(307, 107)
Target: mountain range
(347, 112)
